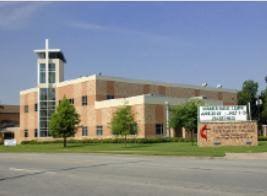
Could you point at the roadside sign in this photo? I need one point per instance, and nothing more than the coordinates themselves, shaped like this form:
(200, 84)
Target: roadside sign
(223, 113)
(10, 142)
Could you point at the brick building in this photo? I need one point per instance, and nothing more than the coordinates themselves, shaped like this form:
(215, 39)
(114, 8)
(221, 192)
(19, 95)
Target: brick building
(9, 121)
(96, 97)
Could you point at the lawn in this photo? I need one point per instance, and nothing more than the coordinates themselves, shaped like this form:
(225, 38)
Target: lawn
(171, 148)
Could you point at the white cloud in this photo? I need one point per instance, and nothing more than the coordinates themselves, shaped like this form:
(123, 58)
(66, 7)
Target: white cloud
(88, 26)
(103, 28)
(14, 15)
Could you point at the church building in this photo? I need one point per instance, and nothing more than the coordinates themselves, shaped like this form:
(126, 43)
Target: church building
(97, 97)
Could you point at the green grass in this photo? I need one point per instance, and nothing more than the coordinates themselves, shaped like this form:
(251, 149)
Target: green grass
(171, 148)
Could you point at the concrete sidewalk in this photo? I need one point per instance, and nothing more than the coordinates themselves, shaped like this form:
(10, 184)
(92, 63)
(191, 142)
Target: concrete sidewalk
(247, 156)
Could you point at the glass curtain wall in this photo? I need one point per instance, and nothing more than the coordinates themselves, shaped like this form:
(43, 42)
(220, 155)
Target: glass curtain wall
(47, 98)
(47, 107)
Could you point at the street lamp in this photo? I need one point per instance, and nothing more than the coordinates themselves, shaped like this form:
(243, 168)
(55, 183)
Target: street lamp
(167, 118)
(258, 104)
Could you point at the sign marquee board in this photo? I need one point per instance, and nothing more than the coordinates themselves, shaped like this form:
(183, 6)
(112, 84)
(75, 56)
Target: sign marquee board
(240, 133)
(222, 113)
(10, 142)
(226, 126)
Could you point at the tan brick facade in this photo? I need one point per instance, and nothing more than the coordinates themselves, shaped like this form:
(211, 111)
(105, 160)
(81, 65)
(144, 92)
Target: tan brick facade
(97, 88)
(28, 120)
(124, 89)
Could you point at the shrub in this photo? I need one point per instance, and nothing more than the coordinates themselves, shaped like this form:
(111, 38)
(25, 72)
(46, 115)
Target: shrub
(262, 138)
(116, 140)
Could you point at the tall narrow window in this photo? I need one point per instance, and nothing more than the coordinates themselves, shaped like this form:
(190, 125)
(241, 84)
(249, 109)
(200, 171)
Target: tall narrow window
(99, 130)
(42, 73)
(84, 131)
(35, 132)
(159, 129)
(36, 107)
(26, 108)
(52, 77)
(51, 93)
(47, 103)
(52, 73)
(84, 100)
(71, 101)
(26, 133)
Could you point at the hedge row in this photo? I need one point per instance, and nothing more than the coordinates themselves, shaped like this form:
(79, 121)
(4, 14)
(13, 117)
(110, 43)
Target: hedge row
(121, 140)
(262, 138)
(113, 140)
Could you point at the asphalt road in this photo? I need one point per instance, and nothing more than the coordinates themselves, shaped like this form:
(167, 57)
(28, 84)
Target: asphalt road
(117, 175)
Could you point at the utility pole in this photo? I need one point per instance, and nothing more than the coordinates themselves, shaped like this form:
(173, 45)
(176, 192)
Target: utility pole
(249, 111)
(167, 118)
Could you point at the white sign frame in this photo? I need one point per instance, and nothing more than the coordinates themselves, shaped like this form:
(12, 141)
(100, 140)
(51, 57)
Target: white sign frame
(10, 142)
(223, 113)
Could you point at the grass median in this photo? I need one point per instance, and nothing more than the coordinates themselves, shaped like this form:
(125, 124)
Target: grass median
(169, 149)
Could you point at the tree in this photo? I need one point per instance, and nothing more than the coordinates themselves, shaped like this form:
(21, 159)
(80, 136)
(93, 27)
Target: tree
(123, 123)
(185, 116)
(263, 109)
(249, 94)
(64, 120)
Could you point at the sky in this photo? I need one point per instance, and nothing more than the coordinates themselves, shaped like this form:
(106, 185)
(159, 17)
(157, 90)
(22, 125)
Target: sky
(177, 42)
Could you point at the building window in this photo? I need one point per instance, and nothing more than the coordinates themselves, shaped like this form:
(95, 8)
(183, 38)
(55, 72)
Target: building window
(110, 96)
(26, 108)
(36, 107)
(84, 100)
(52, 77)
(42, 73)
(51, 94)
(159, 129)
(51, 67)
(84, 131)
(26, 133)
(42, 77)
(99, 130)
(71, 101)
(47, 104)
(43, 133)
(35, 132)
(51, 73)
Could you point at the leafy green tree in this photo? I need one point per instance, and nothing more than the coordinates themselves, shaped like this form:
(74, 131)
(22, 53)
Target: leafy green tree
(185, 116)
(263, 108)
(64, 120)
(249, 94)
(123, 124)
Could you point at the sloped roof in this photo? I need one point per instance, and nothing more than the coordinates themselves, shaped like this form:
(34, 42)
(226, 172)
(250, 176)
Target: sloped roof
(8, 109)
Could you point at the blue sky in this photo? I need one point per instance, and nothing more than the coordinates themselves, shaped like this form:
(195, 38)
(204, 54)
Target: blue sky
(177, 42)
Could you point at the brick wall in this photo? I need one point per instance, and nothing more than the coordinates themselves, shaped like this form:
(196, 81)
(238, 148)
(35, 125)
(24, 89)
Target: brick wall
(124, 89)
(28, 120)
